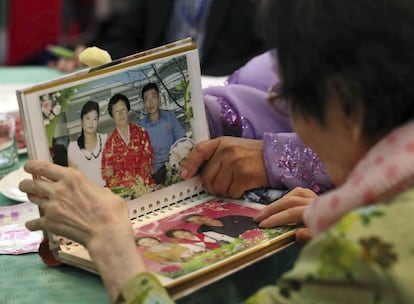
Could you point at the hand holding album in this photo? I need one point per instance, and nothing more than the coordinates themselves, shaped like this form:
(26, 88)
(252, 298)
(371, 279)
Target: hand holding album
(57, 189)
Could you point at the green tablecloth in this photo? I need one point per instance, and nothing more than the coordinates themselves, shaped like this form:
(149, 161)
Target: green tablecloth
(25, 279)
(29, 74)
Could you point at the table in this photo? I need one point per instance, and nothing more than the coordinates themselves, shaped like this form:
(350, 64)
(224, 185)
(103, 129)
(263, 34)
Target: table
(25, 279)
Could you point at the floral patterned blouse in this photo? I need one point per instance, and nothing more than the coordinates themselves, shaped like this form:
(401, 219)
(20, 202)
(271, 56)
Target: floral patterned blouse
(367, 257)
(129, 161)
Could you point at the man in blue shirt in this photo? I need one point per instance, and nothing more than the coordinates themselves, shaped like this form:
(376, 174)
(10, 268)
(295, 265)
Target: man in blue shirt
(163, 128)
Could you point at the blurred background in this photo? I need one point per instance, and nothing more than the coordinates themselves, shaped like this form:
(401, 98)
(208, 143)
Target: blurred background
(47, 22)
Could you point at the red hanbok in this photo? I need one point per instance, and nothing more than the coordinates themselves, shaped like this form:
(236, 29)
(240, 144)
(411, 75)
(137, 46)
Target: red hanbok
(129, 162)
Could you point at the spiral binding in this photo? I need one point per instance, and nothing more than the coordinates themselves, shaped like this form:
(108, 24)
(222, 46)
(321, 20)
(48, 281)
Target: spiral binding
(169, 204)
(155, 204)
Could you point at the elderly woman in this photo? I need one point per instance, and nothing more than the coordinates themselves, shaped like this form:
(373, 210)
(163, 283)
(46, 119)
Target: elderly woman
(347, 76)
(127, 155)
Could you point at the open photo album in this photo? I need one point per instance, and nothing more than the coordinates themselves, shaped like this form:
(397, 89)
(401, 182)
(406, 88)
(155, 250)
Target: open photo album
(101, 121)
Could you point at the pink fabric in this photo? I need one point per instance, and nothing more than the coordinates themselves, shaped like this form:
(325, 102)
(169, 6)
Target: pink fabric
(387, 169)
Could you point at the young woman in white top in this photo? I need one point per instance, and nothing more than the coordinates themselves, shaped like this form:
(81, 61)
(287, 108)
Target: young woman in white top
(85, 154)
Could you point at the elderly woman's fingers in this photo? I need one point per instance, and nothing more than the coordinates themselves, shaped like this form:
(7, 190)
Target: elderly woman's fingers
(45, 169)
(200, 153)
(303, 235)
(35, 225)
(216, 180)
(42, 202)
(36, 187)
(281, 205)
(292, 215)
(295, 198)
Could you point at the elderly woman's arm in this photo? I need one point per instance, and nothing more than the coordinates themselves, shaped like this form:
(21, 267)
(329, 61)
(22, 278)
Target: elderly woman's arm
(93, 216)
(232, 165)
(115, 256)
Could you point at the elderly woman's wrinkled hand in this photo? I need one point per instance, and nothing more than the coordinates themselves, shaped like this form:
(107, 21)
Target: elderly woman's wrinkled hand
(288, 210)
(230, 165)
(72, 205)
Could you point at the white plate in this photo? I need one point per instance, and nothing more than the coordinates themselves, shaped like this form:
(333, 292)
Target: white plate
(9, 101)
(9, 185)
(8, 96)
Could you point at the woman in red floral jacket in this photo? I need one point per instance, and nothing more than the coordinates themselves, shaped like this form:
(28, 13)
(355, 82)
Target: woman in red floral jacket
(128, 155)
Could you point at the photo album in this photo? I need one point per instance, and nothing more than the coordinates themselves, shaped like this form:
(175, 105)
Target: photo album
(186, 237)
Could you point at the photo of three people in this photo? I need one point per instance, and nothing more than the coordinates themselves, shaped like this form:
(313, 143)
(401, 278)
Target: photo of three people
(119, 130)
